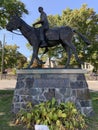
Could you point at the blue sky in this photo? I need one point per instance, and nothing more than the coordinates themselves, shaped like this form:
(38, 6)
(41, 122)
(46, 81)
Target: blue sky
(50, 7)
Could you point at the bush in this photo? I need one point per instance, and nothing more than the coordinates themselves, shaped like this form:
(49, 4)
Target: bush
(63, 116)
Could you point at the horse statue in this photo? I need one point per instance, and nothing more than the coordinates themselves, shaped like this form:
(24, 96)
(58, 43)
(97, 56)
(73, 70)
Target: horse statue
(54, 36)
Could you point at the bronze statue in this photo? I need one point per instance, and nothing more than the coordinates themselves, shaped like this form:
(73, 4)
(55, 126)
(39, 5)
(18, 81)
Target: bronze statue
(45, 26)
(55, 36)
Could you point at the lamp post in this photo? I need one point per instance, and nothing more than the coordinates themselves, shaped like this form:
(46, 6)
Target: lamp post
(2, 61)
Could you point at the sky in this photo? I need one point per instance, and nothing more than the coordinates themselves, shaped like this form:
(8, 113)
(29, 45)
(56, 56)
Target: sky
(51, 7)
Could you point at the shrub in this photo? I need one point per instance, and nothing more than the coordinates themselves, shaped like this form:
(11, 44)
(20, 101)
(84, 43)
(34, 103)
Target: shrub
(63, 116)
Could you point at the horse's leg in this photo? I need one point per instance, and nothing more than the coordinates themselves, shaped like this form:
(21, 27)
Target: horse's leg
(40, 62)
(34, 56)
(31, 62)
(68, 53)
(69, 56)
(74, 50)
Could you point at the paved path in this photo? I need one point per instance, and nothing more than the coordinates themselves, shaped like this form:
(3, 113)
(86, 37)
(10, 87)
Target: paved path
(7, 84)
(10, 84)
(93, 85)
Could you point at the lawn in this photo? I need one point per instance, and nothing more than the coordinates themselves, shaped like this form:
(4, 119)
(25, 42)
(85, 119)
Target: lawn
(6, 117)
(93, 121)
(5, 111)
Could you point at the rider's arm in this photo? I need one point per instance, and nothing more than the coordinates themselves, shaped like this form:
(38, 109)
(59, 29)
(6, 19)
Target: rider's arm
(39, 22)
(42, 19)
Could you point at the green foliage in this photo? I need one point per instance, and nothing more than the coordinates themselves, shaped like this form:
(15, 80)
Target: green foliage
(85, 20)
(63, 116)
(12, 57)
(54, 21)
(8, 8)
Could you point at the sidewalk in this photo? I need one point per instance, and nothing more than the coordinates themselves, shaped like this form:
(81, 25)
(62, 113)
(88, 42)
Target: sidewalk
(7, 84)
(93, 85)
(10, 85)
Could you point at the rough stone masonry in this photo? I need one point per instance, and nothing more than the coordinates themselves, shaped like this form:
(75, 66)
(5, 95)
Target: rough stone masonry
(40, 85)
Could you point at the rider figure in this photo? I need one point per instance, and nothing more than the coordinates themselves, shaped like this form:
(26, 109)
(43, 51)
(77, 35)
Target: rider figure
(45, 26)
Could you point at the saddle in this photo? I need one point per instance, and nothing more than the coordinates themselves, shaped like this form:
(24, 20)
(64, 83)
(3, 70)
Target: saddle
(52, 34)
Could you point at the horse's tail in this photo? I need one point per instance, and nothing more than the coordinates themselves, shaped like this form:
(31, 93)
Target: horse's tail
(82, 37)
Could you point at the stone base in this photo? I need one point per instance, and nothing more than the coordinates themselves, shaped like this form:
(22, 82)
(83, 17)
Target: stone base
(40, 85)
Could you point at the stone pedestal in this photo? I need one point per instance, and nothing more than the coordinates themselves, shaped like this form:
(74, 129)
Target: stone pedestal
(40, 85)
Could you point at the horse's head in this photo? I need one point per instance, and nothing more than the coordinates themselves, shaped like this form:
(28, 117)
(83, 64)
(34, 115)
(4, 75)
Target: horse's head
(13, 24)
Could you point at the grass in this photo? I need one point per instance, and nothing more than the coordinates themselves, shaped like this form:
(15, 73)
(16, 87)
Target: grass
(93, 121)
(6, 116)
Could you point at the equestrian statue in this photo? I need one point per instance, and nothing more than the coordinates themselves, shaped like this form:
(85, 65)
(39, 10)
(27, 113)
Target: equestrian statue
(45, 37)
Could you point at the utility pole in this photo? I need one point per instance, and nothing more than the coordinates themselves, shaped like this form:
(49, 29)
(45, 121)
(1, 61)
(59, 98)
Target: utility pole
(2, 62)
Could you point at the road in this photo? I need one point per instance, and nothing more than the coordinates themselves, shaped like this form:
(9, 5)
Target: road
(10, 85)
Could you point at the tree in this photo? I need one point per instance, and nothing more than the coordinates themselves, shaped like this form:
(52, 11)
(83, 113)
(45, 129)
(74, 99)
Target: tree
(21, 61)
(54, 20)
(85, 20)
(12, 57)
(9, 8)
